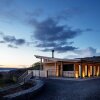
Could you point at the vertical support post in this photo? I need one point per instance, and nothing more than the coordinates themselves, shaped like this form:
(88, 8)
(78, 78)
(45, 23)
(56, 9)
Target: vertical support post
(56, 69)
(88, 70)
(32, 73)
(75, 71)
(92, 70)
(81, 76)
(47, 73)
(40, 66)
(99, 70)
(61, 71)
(74, 68)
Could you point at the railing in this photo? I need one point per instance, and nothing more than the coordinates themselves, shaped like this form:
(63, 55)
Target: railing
(38, 73)
(25, 77)
(22, 76)
(51, 73)
(68, 74)
(28, 76)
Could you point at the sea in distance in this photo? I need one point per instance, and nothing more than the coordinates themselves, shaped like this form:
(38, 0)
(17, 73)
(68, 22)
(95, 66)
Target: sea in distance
(7, 69)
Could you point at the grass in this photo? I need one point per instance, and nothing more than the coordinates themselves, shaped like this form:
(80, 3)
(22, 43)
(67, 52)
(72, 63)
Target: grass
(2, 84)
(7, 82)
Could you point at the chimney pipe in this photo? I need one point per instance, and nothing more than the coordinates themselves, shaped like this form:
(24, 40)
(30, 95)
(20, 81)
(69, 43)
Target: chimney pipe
(52, 53)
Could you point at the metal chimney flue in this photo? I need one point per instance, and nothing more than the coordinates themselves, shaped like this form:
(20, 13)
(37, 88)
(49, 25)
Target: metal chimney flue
(52, 53)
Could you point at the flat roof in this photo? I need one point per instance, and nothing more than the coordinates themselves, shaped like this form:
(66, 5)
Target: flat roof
(57, 59)
(86, 59)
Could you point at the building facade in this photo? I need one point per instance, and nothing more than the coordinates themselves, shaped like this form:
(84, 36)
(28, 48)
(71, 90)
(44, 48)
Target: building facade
(77, 68)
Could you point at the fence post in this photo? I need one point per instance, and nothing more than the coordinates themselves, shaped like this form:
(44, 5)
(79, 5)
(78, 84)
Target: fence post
(47, 73)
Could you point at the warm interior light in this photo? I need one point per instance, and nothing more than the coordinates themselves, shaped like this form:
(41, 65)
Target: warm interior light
(76, 74)
(57, 73)
(83, 74)
(97, 74)
(89, 74)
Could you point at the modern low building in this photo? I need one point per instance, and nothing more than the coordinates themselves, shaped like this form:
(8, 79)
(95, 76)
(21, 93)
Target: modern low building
(79, 67)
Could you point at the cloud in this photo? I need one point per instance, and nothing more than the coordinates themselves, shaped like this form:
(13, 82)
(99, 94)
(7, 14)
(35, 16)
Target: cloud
(12, 41)
(12, 46)
(1, 65)
(51, 34)
(87, 52)
(2, 41)
(88, 29)
(8, 38)
(61, 49)
(1, 34)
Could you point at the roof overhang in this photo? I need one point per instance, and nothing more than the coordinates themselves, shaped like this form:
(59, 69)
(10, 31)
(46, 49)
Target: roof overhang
(57, 59)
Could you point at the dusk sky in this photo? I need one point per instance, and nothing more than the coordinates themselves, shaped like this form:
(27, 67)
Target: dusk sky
(35, 27)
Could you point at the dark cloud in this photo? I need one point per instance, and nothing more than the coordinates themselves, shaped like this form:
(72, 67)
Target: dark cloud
(20, 41)
(89, 29)
(9, 38)
(12, 46)
(61, 49)
(50, 34)
(12, 41)
(2, 41)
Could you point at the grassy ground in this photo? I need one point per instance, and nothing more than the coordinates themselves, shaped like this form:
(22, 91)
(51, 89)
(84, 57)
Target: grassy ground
(4, 83)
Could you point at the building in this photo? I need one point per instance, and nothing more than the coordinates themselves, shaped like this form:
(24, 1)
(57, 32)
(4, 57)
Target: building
(78, 68)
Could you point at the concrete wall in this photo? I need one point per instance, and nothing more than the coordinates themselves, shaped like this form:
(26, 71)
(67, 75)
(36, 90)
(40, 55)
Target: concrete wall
(49, 66)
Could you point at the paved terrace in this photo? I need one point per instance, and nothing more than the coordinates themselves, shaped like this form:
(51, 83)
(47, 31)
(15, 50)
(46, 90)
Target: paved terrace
(56, 89)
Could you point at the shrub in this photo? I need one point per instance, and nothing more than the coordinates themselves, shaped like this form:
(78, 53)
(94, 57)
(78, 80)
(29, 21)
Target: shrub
(1, 76)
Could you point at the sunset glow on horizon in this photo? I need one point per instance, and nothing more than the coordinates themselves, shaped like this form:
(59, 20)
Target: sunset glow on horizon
(28, 28)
